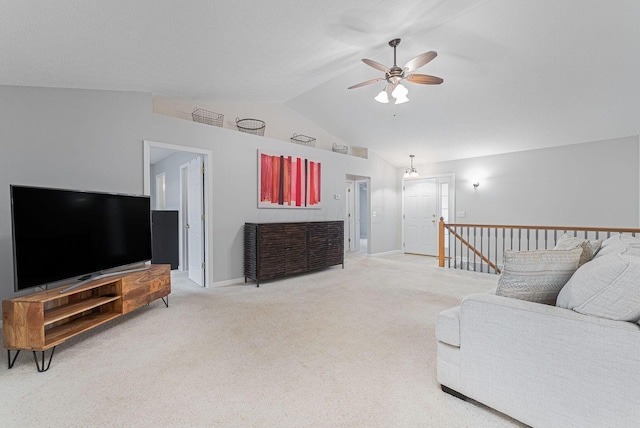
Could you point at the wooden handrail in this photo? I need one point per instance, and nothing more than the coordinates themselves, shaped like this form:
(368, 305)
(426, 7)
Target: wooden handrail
(453, 230)
(573, 228)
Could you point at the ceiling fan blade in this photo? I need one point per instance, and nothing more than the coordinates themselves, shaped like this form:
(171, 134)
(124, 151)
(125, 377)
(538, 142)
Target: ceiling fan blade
(419, 61)
(368, 82)
(424, 79)
(375, 65)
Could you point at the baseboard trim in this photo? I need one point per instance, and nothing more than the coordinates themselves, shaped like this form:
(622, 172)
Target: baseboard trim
(228, 282)
(385, 253)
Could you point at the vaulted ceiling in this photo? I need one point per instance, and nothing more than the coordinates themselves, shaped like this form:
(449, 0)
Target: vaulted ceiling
(518, 74)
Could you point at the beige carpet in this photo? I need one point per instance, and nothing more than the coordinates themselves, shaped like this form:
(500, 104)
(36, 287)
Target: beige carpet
(335, 348)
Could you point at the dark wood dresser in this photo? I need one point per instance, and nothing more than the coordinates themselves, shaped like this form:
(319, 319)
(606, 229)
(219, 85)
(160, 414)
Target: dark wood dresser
(275, 250)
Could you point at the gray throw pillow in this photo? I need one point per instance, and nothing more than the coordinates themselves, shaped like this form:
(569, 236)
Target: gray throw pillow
(537, 276)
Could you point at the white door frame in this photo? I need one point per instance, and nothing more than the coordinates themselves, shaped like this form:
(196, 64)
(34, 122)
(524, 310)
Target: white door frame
(208, 186)
(350, 216)
(182, 237)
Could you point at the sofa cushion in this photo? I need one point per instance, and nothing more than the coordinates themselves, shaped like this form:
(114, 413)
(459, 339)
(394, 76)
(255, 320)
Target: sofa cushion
(608, 287)
(619, 244)
(448, 326)
(537, 276)
(589, 247)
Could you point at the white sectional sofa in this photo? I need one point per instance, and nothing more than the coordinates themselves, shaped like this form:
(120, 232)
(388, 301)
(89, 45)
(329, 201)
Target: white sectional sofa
(550, 365)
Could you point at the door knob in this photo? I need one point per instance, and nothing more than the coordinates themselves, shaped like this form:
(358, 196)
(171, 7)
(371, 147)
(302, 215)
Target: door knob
(187, 226)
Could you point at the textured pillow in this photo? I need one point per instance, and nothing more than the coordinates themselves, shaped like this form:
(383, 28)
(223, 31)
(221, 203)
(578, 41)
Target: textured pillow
(589, 247)
(537, 276)
(607, 287)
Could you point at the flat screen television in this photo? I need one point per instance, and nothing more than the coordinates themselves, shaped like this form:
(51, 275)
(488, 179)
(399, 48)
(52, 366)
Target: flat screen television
(68, 234)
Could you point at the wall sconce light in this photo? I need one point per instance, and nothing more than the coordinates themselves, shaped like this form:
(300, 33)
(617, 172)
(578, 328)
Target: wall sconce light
(475, 185)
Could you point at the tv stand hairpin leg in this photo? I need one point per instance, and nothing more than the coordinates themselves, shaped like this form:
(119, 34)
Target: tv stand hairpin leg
(9, 360)
(39, 367)
(43, 368)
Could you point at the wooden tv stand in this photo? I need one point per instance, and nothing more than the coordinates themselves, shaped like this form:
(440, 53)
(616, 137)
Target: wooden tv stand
(41, 321)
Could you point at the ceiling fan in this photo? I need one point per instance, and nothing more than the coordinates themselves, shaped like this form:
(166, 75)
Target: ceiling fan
(395, 90)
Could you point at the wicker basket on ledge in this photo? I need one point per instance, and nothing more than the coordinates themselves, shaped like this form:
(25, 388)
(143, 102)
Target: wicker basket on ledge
(251, 126)
(340, 149)
(209, 117)
(305, 140)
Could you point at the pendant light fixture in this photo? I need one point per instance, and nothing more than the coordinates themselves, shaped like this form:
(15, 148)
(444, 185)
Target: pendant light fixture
(411, 172)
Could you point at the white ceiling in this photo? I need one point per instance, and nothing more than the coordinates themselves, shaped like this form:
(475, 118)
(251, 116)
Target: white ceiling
(518, 74)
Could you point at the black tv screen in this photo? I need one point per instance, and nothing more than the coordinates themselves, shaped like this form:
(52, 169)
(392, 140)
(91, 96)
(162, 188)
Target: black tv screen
(62, 234)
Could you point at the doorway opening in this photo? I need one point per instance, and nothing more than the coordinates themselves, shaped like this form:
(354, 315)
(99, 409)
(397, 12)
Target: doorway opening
(357, 231)
(186, 180)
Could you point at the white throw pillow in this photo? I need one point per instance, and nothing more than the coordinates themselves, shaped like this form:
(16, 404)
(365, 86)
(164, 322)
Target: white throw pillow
(607, 287)
(622, 243)
(537, 276)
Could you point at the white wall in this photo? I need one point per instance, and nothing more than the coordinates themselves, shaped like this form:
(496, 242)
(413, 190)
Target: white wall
(87, 140)
(93, 140)
(589, 184)
(234, 195)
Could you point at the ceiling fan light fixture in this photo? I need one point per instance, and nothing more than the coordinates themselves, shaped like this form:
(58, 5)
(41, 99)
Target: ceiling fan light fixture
(382, 97)
(401, 99)
(400, 94)
(399, 91)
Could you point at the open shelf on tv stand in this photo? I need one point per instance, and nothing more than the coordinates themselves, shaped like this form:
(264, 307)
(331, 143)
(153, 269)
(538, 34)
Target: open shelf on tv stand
(39, 322)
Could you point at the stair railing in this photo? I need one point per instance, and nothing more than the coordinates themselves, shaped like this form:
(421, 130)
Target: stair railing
(480, 247)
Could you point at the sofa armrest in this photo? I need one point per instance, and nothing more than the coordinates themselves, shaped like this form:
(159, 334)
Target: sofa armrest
(549, 366)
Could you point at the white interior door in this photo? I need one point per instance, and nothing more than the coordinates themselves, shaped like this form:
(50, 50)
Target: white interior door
(195, 220)
(420, 222)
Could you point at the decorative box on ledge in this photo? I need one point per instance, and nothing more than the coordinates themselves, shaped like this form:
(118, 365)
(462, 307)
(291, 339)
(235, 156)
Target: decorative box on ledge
(305, 140)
